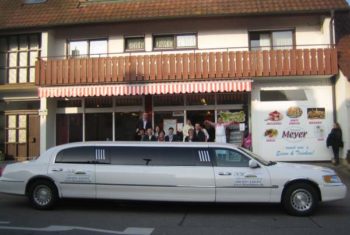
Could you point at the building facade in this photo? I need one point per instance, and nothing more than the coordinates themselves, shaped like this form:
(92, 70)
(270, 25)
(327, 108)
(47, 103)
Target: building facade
(85, 70)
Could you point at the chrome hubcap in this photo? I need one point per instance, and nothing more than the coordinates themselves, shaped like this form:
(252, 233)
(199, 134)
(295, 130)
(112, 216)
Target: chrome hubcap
(42, 195)
(301, 200)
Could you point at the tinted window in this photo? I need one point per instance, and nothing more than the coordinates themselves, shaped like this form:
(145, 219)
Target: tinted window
(283, 95)
(154, 156)
(230, 158)
(76, 155)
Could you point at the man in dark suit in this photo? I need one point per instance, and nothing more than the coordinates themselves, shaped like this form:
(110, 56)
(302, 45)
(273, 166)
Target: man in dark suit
(199, 135)
(171, 137)
(143, 123)
(149, 136)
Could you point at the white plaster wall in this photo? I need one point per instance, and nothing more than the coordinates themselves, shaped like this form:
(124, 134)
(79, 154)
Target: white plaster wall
(313, 36)
(212, 32)
(223, 39)
(343, 110)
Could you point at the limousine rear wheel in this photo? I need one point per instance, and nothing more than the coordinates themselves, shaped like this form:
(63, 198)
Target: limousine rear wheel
(42, 194)
(300, 199)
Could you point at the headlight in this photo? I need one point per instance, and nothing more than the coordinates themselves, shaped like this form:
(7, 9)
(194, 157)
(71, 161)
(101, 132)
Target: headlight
(331, 179)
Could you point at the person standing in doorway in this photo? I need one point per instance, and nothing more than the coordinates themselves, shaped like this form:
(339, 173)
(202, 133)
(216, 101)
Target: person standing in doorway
(335, 140)
(220, 129)
(143, 123)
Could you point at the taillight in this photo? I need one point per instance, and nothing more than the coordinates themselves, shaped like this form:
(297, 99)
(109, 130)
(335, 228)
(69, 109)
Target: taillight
(1, 170)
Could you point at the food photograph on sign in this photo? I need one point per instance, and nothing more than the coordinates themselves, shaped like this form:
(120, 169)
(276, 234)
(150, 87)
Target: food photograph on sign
(316, 113)
(274, 116)
(294, 112)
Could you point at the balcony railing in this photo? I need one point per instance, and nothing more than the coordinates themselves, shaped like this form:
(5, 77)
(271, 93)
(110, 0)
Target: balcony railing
(187, 66)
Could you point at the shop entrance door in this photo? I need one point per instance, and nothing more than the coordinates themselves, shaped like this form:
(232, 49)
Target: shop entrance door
(125, 126)
(22, 136)
(33, 136)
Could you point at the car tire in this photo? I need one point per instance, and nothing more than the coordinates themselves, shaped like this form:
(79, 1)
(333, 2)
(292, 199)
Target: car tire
(300, 199)
(42, 194)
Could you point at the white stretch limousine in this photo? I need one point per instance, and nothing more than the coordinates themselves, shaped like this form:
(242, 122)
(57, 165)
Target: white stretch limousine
(193, 172)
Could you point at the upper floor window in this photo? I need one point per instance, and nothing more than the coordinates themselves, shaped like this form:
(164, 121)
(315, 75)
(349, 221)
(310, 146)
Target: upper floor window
(18, 54)
(267, 40)
(181, 41)
(90, 48)
(134, 43)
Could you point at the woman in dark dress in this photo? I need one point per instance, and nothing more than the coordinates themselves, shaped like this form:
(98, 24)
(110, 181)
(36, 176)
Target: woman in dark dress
(335, 139)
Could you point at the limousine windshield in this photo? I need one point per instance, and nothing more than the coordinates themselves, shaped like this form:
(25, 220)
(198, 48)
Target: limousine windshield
(256, 157)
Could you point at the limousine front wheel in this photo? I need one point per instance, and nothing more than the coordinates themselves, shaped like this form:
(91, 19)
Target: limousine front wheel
(42, 194)
(300, 199)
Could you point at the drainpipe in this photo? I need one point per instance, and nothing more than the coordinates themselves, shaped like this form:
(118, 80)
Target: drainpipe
(332, 29)
(333, 78)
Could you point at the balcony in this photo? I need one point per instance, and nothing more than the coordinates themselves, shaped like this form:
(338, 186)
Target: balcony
(186, 67)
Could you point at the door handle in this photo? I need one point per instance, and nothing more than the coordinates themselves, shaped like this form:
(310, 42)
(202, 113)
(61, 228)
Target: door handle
(57, 170)
(80, 173)
(225, 173)
(250, 176)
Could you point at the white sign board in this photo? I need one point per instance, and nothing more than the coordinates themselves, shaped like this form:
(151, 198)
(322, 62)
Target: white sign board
(294, 131)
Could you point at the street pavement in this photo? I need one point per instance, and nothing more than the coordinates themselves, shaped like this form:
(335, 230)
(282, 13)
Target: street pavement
(103, 217)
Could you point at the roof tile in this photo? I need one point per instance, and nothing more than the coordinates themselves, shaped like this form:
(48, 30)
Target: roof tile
(15, 14)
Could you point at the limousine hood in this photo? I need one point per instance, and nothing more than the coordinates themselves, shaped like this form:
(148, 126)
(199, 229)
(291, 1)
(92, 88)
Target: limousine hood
(296, 167)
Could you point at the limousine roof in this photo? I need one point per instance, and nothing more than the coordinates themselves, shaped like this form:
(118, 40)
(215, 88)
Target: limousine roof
(144, 144)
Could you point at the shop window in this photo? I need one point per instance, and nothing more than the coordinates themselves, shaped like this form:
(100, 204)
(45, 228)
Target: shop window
(182, 41)
(129, 101)
(282, 95)
(88, 48)
(232, 98)
(103, 102)
(69, 128)
(69, 103)
(200, 99)
(166, 100)
(98, 126)
(18, 55)
(160, 116)
(134, 43)
(268, 40)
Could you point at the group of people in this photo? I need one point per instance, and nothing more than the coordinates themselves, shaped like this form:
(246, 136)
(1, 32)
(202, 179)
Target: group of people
(190, 133)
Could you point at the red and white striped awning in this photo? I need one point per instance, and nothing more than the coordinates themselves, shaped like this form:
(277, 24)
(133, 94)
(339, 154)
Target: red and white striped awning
(147, 89)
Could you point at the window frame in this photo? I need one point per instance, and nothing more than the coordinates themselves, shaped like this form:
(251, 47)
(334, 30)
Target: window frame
(270, 32)
(88, 55)
(135, 37)
(92, 161)
(215, 161)
(174, 36)
(28, 50)
(142, 153)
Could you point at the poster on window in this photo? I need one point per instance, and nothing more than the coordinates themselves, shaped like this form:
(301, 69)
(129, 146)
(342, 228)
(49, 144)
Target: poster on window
(167, 123)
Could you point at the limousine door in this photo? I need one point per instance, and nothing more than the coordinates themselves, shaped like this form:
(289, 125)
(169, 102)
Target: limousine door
(74, 172)
(236, 181)
(156, 173)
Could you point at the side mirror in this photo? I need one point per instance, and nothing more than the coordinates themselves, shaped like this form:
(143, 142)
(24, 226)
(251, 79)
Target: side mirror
(253, 164)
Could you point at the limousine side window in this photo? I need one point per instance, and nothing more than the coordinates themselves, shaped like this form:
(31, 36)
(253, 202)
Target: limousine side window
(230, 158)
(154, 156)
(76, 155)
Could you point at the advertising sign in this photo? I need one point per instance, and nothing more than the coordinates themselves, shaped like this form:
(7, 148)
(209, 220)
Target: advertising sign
(295, 132)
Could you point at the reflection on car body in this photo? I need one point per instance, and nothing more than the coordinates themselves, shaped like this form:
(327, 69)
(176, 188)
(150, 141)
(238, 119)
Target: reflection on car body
(194, 172)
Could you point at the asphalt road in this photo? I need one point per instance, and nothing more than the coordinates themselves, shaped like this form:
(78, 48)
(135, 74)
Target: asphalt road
(145, 218)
